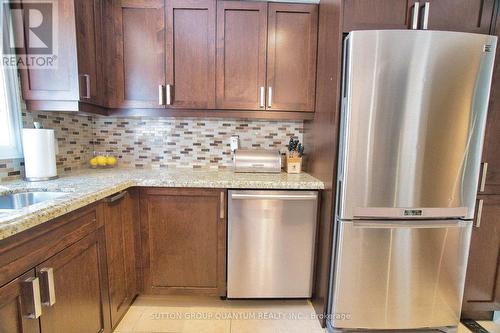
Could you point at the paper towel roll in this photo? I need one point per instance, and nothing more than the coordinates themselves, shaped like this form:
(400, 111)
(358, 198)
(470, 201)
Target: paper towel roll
(39, 149)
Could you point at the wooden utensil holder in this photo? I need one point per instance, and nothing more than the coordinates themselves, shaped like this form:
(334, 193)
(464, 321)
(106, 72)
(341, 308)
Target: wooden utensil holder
(293, 163)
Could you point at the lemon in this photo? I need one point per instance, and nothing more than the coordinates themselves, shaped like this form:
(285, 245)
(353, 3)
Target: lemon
(110, 160)
(101, 160)
(93, 161)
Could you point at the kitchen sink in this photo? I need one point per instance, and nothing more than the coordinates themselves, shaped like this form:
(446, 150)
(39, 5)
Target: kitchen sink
(25, 199)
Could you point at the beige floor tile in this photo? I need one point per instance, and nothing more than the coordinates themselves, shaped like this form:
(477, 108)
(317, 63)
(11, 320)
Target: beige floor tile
(207, 326)
(129, 320)
(162, 319)
(492, 327)
(463, 329)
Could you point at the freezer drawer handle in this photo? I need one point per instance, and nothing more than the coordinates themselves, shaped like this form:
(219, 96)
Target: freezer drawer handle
(413, 224)
(274, 196)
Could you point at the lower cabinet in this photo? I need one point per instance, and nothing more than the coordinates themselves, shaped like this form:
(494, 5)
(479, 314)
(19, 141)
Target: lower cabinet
(73, 288)
(183, 235)
(120, 215)
(61, 284)
(482, 284)
(15, 305)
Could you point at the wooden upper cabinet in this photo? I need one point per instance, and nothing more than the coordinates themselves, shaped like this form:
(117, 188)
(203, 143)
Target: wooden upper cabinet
(120, 217)
(140, 53)
(376, 14)
(88, 38)
(482, 284)
(79, 288)
(13, 305)
(460, 15)
(291, 57)
(183, 241)
(241, 54)
(491, 150)
(61, 82)
(191, 53)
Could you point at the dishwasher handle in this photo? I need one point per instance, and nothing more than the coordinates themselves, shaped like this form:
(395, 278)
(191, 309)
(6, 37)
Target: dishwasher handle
(239, 196)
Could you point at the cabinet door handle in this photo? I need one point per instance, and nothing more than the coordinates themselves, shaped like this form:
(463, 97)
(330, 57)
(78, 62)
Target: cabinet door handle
(116, 197)
(30, 296)
(48, 287)
(86, 77)
(270, 97)
(169, 95)
(426, 15)
(262, 97)
(416, 8)
(479, 214)
(484, 172)
(222, 211)
(161, 98)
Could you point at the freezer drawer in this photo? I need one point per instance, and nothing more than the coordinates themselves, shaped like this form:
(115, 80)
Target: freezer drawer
(399, 275)
(271, 237)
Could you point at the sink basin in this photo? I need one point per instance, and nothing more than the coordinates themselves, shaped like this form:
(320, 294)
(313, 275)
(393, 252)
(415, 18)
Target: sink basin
(25, 199)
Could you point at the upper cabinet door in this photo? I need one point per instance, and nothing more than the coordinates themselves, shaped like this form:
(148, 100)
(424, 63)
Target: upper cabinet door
(376, 14)
(88, 38)
(61, 82)
(490, 175)
(460, 15)
(191, 49)
(241, 54)
(291, 57)
(140, 58)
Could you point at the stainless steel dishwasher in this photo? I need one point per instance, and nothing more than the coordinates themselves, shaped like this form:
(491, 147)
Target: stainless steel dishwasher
(271, 241)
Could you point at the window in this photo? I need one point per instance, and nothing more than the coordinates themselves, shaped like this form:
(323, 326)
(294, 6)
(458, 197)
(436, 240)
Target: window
(10, 122)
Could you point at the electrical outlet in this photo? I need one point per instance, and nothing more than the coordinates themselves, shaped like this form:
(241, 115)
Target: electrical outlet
(234, 142)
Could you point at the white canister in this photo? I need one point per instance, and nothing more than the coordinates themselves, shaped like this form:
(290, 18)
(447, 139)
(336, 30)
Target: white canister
(39, 150)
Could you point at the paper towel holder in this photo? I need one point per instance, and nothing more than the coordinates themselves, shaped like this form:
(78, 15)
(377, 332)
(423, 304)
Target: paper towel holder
(39, 150)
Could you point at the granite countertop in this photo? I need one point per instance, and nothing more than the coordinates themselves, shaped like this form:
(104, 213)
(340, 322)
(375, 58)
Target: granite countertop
(86, 186)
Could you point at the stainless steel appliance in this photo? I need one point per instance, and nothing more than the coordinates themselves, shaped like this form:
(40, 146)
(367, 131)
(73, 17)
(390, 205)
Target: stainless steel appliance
(412, 125)
(257, 160)
(271, 237)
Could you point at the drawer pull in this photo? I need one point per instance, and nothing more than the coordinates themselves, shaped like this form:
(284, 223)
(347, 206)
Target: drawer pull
(116, 197)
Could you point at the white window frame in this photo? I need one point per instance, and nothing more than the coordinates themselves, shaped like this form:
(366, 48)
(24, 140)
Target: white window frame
(8, 75)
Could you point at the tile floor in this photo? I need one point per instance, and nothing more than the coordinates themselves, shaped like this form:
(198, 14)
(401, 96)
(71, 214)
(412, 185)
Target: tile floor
(187, 314)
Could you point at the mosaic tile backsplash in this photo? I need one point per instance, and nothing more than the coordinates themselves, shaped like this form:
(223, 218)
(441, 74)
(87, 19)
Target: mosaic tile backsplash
(186, 142)
(74, 136)
(153, 142)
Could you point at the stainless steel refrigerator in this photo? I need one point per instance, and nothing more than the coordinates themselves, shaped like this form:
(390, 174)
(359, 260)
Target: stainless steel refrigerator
(412, 126)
